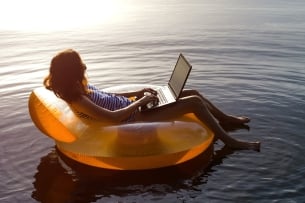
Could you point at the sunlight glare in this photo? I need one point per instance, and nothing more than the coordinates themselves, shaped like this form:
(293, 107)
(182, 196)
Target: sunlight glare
(55, 15)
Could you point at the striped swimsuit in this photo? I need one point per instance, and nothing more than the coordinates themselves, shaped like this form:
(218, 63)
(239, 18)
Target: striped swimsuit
(109, 101)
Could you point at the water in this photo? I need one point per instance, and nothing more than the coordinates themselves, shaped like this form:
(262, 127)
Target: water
(248, 57)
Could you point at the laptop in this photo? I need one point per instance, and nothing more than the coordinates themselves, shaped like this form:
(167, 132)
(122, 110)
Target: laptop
(169, 93)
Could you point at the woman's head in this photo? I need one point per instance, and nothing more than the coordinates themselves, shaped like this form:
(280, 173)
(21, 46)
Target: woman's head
(67, 75)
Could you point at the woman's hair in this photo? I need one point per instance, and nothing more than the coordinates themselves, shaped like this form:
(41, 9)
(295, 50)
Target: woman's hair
(67, 76)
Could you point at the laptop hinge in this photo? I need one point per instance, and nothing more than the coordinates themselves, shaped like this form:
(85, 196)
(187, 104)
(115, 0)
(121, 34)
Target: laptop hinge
(172, 91)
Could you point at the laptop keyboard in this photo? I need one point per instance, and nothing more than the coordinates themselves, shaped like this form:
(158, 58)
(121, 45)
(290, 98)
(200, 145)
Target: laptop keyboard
(161, 96)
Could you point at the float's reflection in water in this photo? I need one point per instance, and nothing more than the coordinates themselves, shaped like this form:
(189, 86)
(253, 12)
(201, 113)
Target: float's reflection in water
(60, 179)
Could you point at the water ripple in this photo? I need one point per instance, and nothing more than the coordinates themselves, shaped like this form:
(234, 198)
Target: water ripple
(247, 60)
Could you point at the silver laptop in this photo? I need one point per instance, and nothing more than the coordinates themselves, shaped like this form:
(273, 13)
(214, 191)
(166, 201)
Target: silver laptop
(170, 93)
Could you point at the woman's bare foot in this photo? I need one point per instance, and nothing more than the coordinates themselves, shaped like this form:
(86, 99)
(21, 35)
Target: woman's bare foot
(245, 145)
(235, 120)
(231, 128)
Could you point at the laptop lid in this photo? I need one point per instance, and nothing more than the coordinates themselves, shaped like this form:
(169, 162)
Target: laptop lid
(179, 75)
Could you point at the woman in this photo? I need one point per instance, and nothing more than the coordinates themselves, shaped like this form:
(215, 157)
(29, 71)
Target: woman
(67, 80)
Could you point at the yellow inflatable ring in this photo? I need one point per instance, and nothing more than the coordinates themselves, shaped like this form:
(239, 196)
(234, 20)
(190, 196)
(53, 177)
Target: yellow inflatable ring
(130, 146)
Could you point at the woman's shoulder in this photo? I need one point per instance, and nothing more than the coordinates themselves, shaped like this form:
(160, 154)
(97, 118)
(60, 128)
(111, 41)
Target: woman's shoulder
(92, 87)
(95, 93)
(81, 100)
(83, 104)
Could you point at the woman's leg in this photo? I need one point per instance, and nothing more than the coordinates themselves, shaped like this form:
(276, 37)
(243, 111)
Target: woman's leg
(195, 104)
(216, 112)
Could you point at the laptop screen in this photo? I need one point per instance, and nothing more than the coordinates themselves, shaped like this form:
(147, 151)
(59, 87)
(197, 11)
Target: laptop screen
(179, 75)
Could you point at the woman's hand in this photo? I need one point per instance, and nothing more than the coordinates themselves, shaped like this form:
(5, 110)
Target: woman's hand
(148, 98)
(142, 92)
(136, 95)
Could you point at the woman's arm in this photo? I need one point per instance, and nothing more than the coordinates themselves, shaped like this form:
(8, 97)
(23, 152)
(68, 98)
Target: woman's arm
(139, 94)
(88, 107)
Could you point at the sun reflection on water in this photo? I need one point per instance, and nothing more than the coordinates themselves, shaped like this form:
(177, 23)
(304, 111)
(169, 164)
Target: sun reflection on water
(53, 15)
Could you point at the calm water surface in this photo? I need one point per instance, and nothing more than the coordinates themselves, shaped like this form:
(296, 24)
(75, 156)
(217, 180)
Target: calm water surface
(248, 57)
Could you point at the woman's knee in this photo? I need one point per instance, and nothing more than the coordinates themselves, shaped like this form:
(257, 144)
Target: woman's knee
(190, 92)
(195, 102)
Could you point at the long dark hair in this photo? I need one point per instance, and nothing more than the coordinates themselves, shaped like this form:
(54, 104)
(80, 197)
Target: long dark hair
(67, 76)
